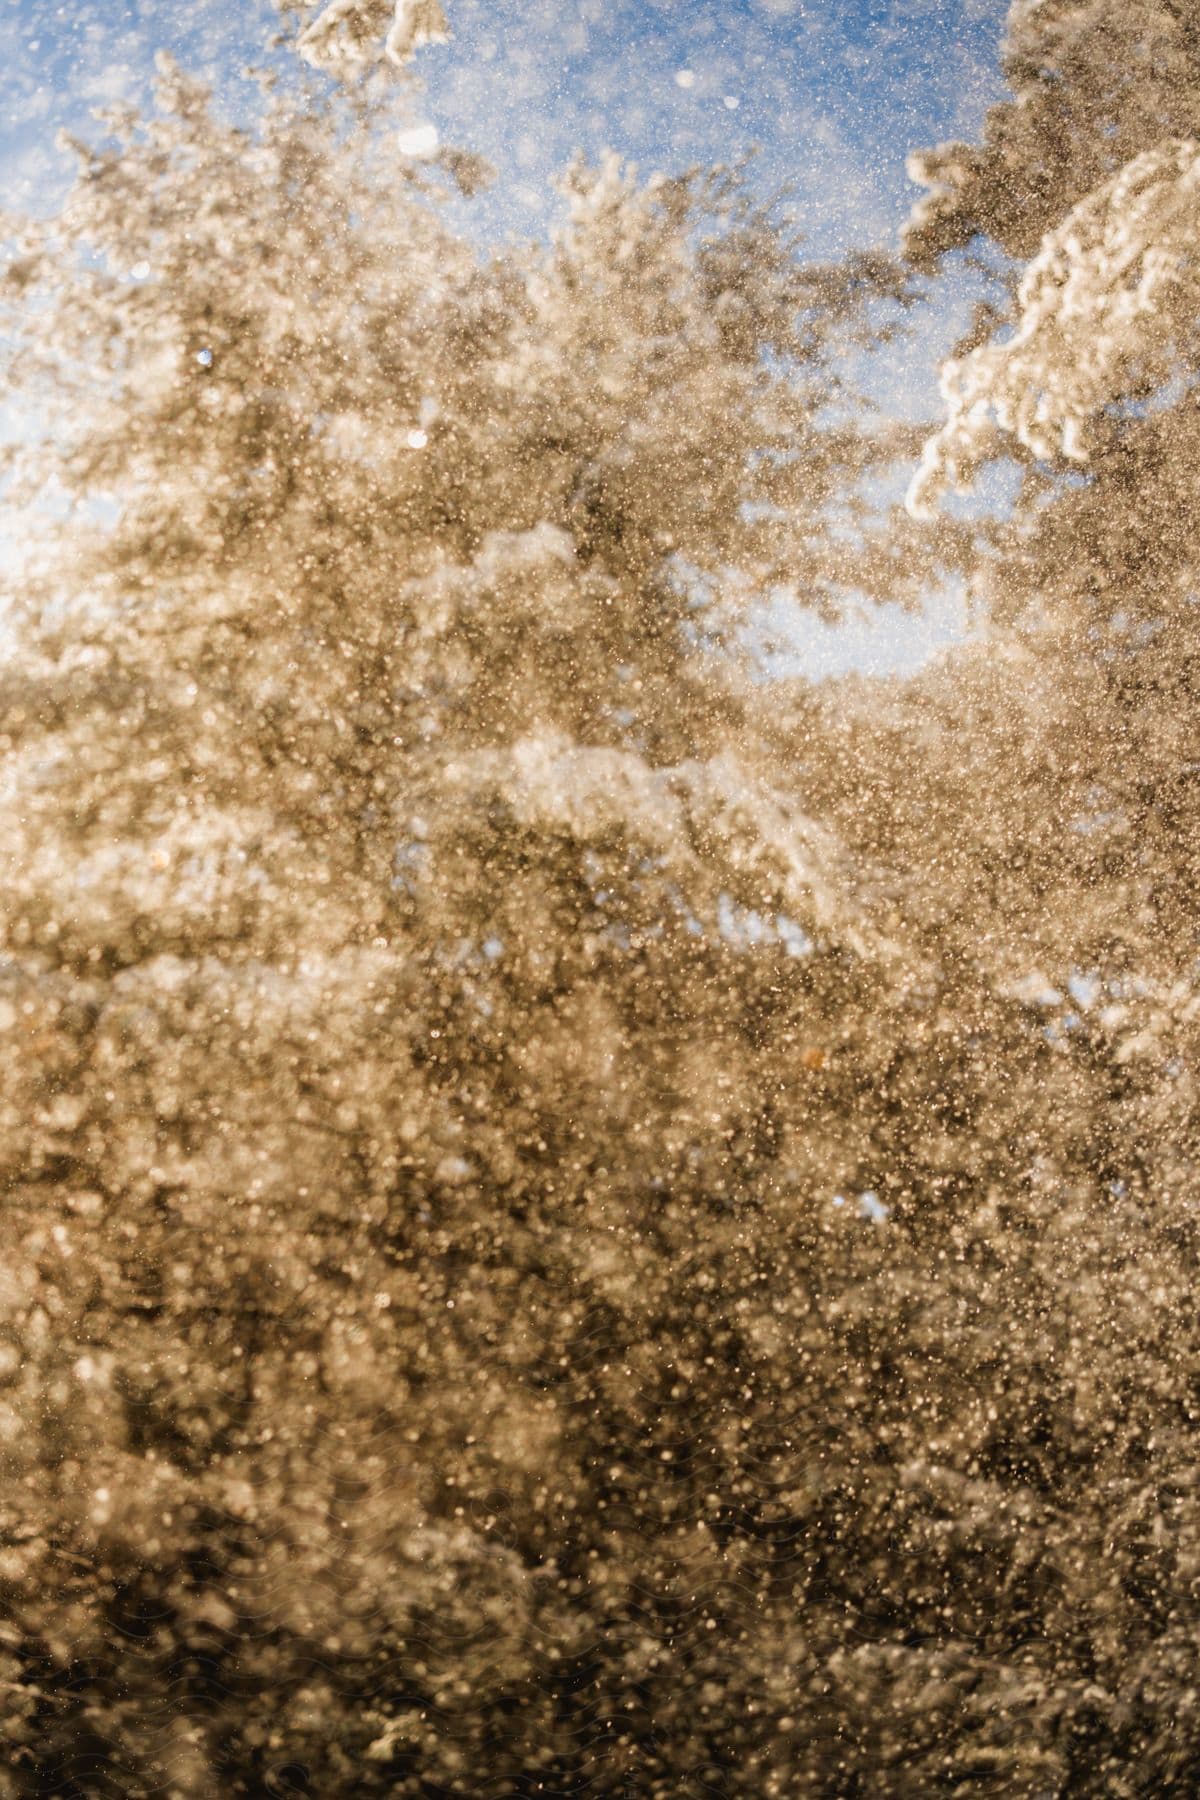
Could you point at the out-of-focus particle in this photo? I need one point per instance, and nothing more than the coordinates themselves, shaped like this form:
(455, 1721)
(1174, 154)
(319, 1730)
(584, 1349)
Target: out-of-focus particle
(418, 140)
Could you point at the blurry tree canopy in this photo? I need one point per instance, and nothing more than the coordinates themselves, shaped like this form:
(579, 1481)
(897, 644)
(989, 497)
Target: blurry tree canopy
(576, 1222)
(1093, 83)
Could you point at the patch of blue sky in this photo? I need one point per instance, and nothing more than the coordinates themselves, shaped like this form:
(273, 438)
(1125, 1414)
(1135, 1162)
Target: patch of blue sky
(872, 640)
(832, 96)
(869, 1207)
(1085, 988)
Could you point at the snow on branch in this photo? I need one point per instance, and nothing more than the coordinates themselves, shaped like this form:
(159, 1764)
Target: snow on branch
(749, 829)
(349, 34)
(1102, 310)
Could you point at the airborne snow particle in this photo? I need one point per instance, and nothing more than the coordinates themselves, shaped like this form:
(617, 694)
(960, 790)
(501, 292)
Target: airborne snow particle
(417, 440)
(685, 78)
(418, 140)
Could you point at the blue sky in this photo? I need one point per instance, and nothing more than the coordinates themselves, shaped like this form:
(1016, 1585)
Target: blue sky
(832, 94)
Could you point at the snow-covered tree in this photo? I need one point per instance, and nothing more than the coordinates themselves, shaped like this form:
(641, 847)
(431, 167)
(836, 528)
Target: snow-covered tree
(576, 1222)
(1087, 382)
(1047, 825)
(348, 35)
(1105, 325)
(419, 969)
